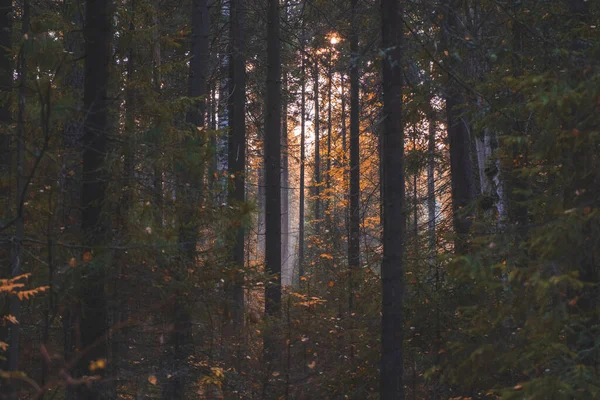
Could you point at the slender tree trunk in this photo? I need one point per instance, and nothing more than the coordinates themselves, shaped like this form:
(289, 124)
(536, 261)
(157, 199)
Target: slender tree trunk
(329, 127)
(222, 147)
(94, 316)
(302, 167)
(6, 84)
(392, 269)
(272, 161)
(237, 149)
(431, 215)
(157, 171)
(285, 177)
(317, 144)
(71, 171)
(354, 236)
(17, 251)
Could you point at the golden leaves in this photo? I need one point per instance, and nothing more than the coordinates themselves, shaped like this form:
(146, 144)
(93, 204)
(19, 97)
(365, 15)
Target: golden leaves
(98, 364)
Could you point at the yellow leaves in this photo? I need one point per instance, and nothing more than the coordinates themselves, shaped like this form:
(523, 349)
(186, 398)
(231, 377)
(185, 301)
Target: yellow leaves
(3, 346)
(217, 372)
(518, 387)
(98, 364)
(216, 377)
(276, 374)
(312, 365)
(10, 318)
(152, 379)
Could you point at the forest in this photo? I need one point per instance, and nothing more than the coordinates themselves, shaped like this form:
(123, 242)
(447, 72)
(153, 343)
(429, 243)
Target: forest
(299, 199)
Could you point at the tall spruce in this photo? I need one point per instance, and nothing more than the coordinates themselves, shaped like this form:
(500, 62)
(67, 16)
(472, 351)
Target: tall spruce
(272, 163)
(394, 207)
(94, 318)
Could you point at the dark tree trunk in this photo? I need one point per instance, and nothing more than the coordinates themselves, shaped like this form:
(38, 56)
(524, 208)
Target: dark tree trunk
(191, 178)
(354, 231)
(237, 148)
(6, 84)
(93, 318)
(272, 162)
(461, 166)
(392, 269)
(17, 242)
(317, 166)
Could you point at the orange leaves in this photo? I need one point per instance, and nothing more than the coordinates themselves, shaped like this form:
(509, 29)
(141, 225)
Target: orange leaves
(331, 284)
(327, 256)
(87, 256)
(152, 379)
(10, 318)
(26, 294)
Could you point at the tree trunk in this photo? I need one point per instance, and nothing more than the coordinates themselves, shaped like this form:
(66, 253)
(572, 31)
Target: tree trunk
(392, 269)
(354, 232)
(431, 213)
(191, 179)
(237, 149)
(285, 200)
(302, 170)
(223, 109)
(317, 144)
(17, 250)
(6, 85)
(329, 127)
(272, 162)
(93, 318)
(461, 166)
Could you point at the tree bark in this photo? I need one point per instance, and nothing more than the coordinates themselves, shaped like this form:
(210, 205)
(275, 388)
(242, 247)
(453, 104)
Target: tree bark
(272, 162)
(392, 269)
(317, 144)
(461, 166)
(237, 149)
(285, 177)
(302, 167)
(191, 180)
(94, 316)
(354, 231)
